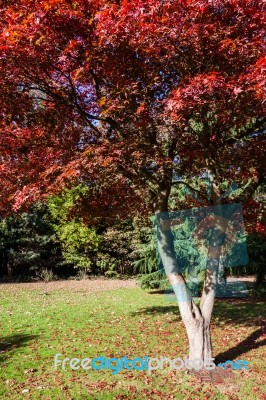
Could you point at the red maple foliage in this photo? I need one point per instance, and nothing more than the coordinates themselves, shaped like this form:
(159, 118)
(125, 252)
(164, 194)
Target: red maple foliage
(113, 93)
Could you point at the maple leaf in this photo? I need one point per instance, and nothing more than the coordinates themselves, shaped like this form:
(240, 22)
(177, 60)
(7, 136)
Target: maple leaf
(237, 90)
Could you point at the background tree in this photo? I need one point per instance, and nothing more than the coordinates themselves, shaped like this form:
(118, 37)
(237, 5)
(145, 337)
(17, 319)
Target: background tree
(27, 244)
(79, 242)
(126, 96)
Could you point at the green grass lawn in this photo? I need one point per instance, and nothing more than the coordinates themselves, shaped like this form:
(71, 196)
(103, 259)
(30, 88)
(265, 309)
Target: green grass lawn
(35, 327)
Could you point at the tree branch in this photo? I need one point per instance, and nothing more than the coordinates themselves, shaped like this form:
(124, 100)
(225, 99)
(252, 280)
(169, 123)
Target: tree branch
(190, 188)
(258, 127)
(250, 189)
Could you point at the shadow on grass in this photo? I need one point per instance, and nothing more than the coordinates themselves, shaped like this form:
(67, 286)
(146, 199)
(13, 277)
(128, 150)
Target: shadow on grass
(246, 312)
(9, 344)
(232, 312)
(250, 343)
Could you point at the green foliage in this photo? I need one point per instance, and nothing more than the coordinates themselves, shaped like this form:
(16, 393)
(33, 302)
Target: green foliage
(145, 260)
(107, 264)
(115, 255)
(79, 242)
(154, 280)
(257, 255)
(60, 205)
(112, 274)
(145, 254)
(27, 244)
(189, 258)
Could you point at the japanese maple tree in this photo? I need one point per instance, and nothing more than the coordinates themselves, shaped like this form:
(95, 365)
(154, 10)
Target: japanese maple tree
(125, 96)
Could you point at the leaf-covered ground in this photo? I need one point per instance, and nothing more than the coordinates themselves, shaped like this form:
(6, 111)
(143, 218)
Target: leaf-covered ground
(78, 322)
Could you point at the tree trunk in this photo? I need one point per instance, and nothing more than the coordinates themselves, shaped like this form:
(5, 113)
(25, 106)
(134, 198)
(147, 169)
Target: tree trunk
(260, 275)
(196, 319)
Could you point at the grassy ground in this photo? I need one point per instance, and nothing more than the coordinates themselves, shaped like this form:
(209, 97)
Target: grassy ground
(115, 323)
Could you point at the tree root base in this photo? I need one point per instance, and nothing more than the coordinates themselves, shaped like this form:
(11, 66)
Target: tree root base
(217, 375)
